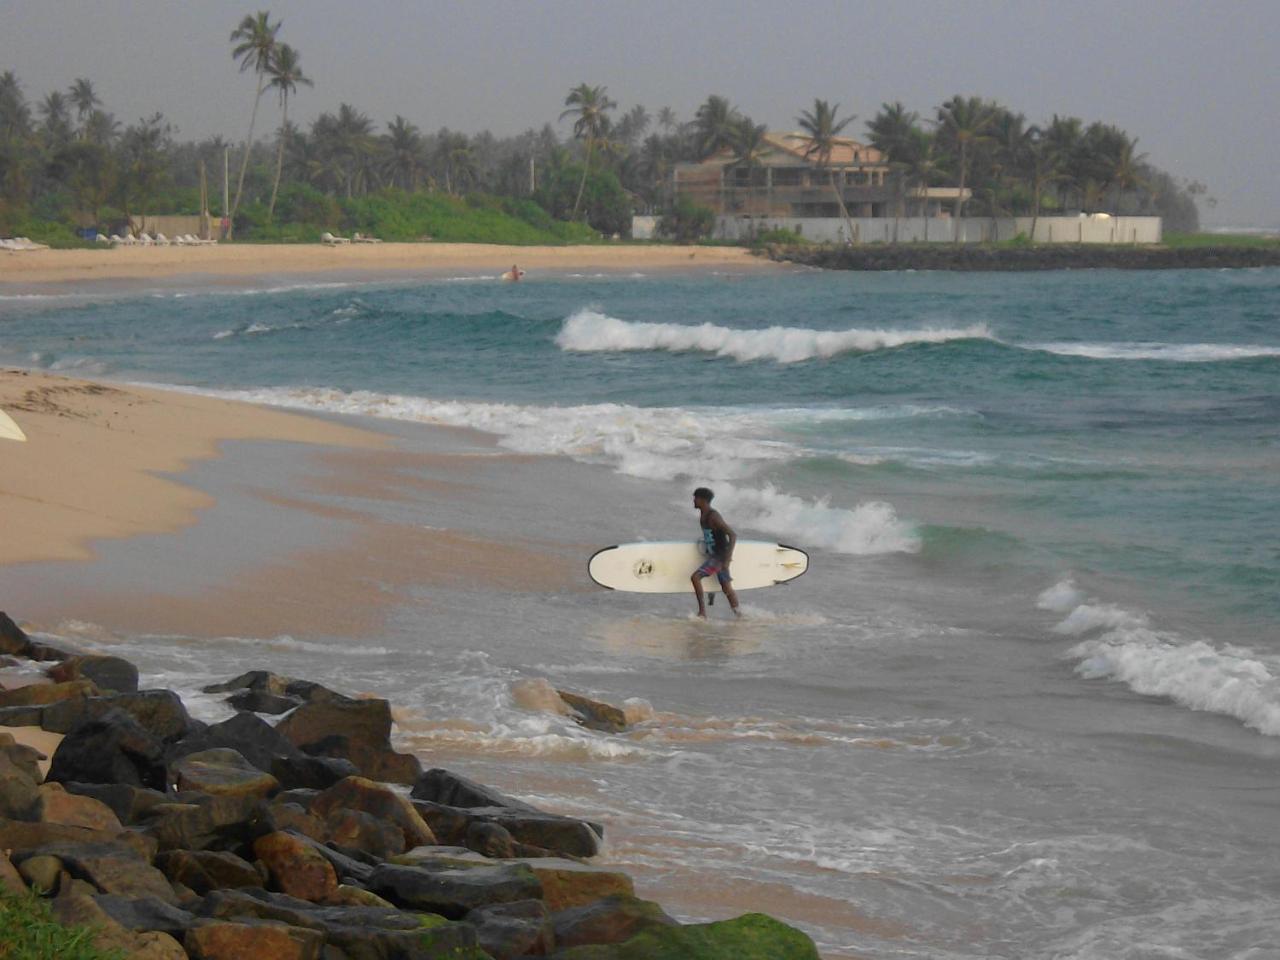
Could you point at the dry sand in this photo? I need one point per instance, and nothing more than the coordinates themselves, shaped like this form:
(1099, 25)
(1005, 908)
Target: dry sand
(428, 259)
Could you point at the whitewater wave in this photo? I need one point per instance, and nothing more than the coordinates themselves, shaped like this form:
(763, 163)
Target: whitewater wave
(1230, 680)
(1172, 352)
(591, 331)
(663, 443)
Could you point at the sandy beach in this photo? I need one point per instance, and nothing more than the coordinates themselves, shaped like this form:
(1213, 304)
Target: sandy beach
(427, 259)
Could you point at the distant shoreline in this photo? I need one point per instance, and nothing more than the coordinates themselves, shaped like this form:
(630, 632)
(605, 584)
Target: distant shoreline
(968, 257)
(481, 260)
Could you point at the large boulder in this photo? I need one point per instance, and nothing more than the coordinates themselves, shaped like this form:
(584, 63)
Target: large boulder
(567, 883)
(110, 868)
(209, 823)
(43, 694)
(56, 805)
(510, 930)
(550, 832)
(159, 712)
(140, 914)
(611, 920)
(259, 701)
(19, 779)
(23, 838)
(296, 867)
(12, 639)
(595, 714)
(258, 939)
(114, 674)
(10, 880)
(129, 803)
(456, 941)
(254, 680)
(77, 907)
(357, 830)
(358, 793)
(355, 730)
(222, 771)
(205, 870)
(752, 936)
(452, 891)
(455, 790)
(111, 748)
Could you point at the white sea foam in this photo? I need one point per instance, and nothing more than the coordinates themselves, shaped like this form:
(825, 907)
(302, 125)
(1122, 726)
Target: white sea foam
(1173, 352)
(1061, 597)
(663, 443)
(1230, 680)
(591, 331)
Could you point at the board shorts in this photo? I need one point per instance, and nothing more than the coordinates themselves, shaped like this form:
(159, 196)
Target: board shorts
(717, 567)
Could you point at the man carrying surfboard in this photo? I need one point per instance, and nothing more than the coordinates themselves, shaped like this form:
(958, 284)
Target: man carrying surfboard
(718, 539)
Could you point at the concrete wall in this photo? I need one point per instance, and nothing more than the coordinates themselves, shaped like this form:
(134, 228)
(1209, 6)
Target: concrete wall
(936, 229)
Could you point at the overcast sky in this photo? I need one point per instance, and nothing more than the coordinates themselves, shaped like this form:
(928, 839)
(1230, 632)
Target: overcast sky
(1197, 83)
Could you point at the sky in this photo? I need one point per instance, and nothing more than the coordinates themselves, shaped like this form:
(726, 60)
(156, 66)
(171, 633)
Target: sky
(1197, 83)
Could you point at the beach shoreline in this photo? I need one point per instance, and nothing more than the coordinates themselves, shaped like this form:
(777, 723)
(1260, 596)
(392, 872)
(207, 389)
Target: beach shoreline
(427, 260)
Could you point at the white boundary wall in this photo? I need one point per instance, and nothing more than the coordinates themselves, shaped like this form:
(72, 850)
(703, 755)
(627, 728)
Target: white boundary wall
(1091, 229)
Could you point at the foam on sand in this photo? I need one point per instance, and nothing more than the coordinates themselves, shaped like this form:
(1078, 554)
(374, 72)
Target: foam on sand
(589, 330)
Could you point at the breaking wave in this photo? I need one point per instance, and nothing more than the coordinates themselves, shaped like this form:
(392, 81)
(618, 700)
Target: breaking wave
(1172, 352)
(591, 331)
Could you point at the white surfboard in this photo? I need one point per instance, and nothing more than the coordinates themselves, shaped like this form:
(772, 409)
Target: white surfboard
(10, 430)
(665, 567)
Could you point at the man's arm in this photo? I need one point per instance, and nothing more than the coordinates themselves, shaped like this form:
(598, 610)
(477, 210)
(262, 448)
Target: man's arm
(718, 523)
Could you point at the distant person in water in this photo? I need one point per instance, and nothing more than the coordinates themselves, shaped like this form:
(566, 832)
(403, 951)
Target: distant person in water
(718, 539)
(515, 273)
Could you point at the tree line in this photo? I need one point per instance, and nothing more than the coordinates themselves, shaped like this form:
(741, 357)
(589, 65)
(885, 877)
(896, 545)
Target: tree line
(68, 160)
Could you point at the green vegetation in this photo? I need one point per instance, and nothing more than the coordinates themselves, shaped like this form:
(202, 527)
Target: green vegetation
(1201, 240)
(29, 932)
(752, 936)
(67, 163)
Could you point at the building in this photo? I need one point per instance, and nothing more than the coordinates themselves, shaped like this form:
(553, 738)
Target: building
(787, 180)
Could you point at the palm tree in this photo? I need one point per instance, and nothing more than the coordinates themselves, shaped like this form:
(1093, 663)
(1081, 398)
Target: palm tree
(404, 153)
(454, 153)
(749, 148)
(57, 119)
(924, 166)
(591, 105)
(84, 99)
(963, 123)
(286, 74)
(101, 128)
(714, 125)
(667, 120)
(1128, 170)
(255, 41)
(1043, 168)
(892, 133)
(143, 152)
(823, 126)
(1064, 141)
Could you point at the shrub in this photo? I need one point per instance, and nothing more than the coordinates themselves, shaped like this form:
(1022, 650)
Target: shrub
(29, 932)
(686, 222)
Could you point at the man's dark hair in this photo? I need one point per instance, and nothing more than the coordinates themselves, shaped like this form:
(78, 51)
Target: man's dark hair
(704, 493)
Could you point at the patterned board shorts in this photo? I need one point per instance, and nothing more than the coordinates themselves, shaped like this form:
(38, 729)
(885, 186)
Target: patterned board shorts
(715, 566)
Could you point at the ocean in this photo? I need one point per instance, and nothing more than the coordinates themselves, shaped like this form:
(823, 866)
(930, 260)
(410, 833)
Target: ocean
(1025, 703)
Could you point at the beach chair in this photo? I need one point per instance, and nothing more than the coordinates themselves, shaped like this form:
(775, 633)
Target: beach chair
(162, 240)
(101, 239)
(331, 240)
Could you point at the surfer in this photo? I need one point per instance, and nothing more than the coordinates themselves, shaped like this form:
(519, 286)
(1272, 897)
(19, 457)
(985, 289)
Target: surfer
(718, 539)
(514, 274)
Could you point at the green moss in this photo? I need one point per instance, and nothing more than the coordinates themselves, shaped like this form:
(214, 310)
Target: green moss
(29, 932)
(752, 936)
(1200, 240)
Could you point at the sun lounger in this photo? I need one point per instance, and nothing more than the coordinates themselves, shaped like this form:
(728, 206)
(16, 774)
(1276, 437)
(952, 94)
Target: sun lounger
(359, 239)
(331, 240)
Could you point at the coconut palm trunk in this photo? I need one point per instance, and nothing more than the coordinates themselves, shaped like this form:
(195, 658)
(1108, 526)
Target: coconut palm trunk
(582, 184)
(248, 146)
(275, 184)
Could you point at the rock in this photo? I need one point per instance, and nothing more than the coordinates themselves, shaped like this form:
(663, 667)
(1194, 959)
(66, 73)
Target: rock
(43, 873)
(491, 840)
(112, 748)
(355, 829)
(349, 896)
(10, 879)
(12, 639)
(290, 816)
(43, 694)
(214, 822)
(595, 714)
(260, 744)
(77, 907)
(145, 913)
(205, 870)
(561, 835)
(752, 936)
(301, 770)
(255, 680)
(455, 790)
(223, 772)
(355, 730)
(47, 651)
(296, 867)
(357, 793)
(260, 905)
(567, 884)
(259, 939)
(21, 716)
(56, 805)
(19, 778)
(611, 920)
(452, 891)
(456, 941)
(509, 930)
(130, 804)
(111, 868)
(113, 674)
(259, 701)
(159, 712)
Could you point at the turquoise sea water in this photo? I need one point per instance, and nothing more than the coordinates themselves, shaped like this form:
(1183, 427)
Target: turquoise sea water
(1027, 702)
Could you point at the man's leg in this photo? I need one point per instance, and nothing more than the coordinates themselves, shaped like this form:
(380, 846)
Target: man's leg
(731, 595)
(696, 579)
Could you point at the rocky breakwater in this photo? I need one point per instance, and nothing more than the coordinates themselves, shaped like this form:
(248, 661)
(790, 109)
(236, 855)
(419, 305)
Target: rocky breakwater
(979, 257)
(172, 838)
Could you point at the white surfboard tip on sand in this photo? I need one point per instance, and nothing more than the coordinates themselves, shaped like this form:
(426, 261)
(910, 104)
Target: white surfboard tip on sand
(10, 430)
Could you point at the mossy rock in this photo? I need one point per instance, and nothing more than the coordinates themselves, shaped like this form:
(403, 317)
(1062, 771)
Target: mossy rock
(752, 936)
